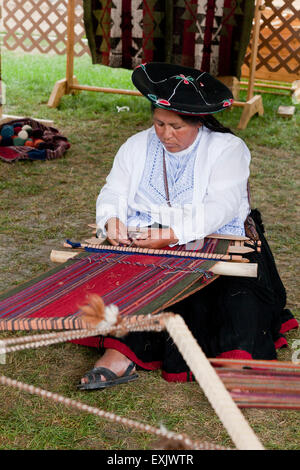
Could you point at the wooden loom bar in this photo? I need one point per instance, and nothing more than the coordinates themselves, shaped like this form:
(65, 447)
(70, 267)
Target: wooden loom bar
(151, 251)
(106, 90)
(257, 363)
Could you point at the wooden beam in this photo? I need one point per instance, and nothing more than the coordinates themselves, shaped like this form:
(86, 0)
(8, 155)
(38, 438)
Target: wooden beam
(255, 37)
(106, 90)
(251, 107)
(70, 45)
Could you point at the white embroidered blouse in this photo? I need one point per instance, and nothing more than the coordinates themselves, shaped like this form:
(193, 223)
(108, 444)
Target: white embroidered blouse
(207, 185)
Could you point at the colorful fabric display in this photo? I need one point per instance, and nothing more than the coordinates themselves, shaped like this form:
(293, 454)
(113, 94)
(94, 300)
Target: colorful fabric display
(211, 36)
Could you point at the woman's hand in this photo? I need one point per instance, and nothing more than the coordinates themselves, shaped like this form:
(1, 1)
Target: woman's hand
(116, 232)
(155, 238)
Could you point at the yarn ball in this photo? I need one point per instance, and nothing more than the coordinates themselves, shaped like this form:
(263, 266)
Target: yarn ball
(6, 141)
(17, 129)
(7, 131)
(29, 143)
(18, 141)
(37, 142)
(27, 128)
(23, 135)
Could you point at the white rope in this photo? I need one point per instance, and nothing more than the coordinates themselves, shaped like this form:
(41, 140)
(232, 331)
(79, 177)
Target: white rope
(162, 432)
(144, 323)
(233, 420)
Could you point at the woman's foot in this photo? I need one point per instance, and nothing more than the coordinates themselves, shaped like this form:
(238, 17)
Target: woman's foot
(111, 369)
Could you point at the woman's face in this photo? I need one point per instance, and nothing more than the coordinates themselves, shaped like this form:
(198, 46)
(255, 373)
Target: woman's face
(174, 133)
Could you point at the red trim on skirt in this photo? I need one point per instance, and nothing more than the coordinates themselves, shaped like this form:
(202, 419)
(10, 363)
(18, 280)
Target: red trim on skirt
(235, 354)
(281, 343)
(180, 377)
(289, 325)
(92, 342)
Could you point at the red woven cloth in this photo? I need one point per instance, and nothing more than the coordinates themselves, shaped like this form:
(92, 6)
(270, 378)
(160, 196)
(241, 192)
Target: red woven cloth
(137, 284)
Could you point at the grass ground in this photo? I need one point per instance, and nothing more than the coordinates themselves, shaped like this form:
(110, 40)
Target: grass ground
(42, 203)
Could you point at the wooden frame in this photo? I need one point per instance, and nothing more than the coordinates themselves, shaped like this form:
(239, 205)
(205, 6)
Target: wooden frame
(69, 84)
(254, 103)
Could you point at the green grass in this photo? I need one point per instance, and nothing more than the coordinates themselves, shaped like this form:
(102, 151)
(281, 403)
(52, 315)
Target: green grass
(42, 203)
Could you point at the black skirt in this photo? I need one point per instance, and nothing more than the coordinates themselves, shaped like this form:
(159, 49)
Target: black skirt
(233, 317)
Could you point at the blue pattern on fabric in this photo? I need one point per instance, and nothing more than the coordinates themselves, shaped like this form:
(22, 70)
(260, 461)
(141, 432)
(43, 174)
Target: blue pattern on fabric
(180, 170)
(234, 227)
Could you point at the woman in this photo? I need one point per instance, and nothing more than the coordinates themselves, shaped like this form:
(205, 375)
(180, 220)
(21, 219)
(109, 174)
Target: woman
(182, 179)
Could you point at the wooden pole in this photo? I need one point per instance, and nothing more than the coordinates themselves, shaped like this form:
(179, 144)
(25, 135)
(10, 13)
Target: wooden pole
(257, 16)
(105, 90)
(70, 45)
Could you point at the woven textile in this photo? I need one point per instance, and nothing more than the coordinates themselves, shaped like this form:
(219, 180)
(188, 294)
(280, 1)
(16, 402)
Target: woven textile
(209, 35)
(137, 284)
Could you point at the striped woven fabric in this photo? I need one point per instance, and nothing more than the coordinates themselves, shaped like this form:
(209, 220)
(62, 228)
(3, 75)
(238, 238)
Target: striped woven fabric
(136, 283)
(211, 35)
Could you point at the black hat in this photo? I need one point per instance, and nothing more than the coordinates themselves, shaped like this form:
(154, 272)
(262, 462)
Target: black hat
(181, 89)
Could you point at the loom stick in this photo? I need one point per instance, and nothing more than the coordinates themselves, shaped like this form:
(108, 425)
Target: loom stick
(277, 406)
(242, 250)
(257, 363)
(237, 249)
(232, 237)
(150, 251)
(62, 256)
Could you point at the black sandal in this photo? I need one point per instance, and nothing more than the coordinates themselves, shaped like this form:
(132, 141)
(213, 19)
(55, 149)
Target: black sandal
(94, 382)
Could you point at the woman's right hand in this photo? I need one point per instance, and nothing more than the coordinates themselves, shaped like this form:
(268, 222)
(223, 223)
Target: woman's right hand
(116, 232)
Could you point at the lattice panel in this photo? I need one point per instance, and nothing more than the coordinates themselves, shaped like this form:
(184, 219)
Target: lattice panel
(278, 56)
(41, 26)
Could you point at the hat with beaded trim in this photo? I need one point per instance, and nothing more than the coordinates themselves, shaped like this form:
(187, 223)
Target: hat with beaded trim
(183, 90)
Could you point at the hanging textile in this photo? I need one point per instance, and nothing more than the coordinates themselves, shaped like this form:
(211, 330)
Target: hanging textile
(210, 35)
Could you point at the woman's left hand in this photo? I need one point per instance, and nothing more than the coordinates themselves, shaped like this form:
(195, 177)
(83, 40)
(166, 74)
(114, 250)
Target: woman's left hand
(155, 238)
